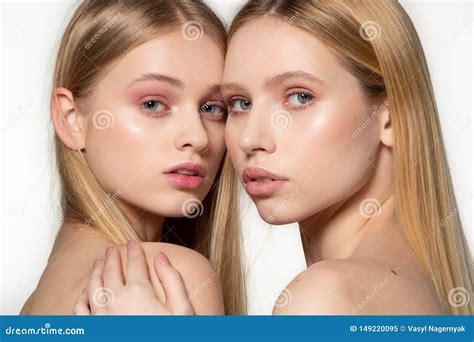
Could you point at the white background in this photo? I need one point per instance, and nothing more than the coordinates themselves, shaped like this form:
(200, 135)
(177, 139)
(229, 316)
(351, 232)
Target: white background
(30, 35)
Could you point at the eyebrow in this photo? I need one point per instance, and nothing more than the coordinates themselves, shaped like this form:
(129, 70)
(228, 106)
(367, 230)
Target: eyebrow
(211, 91)
(231, 87)
(276, 80)
(157, 77)
(214, 90)
(290, 75)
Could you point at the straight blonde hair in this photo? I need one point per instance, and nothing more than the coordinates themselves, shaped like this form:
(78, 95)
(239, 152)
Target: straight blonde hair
(99, 33)
(376, 41)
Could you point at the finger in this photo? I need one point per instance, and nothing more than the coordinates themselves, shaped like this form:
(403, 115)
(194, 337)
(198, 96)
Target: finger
(173, 285)
(81, 307)
(95, 288)
(137, 269)
(113, 275)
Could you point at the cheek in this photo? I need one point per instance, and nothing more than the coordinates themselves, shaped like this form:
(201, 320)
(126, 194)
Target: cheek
(216, 152)
(216, 135)
(119, 152)
(232, 132)
(333, 164)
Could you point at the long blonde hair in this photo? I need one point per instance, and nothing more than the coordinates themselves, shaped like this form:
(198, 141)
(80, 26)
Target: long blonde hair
(98, 33)
(377, 42)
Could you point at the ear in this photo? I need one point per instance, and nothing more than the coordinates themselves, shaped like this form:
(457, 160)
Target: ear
(68, 123)
(386, 132)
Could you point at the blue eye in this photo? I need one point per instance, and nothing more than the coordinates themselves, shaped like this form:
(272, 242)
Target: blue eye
(213, 111)
(153, 106)
(240, 105)
(299, 99)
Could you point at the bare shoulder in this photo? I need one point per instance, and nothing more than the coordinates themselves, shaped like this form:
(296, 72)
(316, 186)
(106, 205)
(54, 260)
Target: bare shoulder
(319, 290)
(67, 271)
(356, 286)
(199, 277)
(70, 265)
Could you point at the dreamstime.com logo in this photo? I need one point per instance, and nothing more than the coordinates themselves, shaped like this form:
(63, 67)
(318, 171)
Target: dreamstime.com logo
(192, 30)
(196, 292)
(109, 199)
(458, 297)
(46, 330)
(370, 207)
(192, 208)
(284, 298)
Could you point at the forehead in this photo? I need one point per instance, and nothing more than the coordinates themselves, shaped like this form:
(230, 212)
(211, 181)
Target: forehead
(266, 46)
(198, 61)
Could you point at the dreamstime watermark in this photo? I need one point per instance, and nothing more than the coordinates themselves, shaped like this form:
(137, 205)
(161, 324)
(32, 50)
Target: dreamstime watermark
(281, 119)
(103, 119)
(375, 113)
(103, 297)
(288, 21)
(370, 30)
(46, 330)
(22, 110)
(100, 210)
(284, 298)
(459, 120)
(100, 33)
(192, 208)
(449, 217)
(192, 30)
(458, 297)
(370, 296)
(289, 198)
(182, 130)
(196, 292)
(12, 210)
(13, 31)
(370, 207)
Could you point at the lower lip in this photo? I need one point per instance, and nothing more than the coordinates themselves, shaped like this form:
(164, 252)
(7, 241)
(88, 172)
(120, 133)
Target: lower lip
(185, 181)
(262, 189)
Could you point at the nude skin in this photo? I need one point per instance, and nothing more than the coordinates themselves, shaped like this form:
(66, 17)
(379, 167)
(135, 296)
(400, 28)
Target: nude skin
(350, 252)
(184, 122)
(329, 173)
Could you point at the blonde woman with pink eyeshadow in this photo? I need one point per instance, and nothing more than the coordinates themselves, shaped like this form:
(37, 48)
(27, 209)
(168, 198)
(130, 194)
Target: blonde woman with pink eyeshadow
(139, 134)
(332, 123)
(340, 133)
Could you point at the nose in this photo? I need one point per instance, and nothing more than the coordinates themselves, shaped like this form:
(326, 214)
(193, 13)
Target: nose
(256, 135)
(191, 133)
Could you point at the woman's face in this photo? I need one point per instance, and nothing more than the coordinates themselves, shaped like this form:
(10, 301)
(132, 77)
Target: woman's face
(158, 107)
(294, 112)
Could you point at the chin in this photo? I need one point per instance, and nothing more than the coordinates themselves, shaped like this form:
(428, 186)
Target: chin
(276, 214)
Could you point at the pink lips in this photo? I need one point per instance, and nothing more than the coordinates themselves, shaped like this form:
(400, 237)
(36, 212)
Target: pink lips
(259, 188)
(193, 179)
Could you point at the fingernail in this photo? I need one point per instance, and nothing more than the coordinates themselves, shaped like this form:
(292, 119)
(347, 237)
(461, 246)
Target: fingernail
(130, 244)
(163, 259)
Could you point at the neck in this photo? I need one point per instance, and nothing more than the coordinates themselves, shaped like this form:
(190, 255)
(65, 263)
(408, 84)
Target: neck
(147, 225)
(335, 232)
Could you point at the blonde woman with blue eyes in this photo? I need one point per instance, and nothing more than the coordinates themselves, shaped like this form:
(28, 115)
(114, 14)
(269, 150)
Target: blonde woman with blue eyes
(139, 137)
(327, 126)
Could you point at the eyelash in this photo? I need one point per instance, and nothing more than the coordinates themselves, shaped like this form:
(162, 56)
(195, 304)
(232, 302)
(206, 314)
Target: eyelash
(154, 113)
(210, 104)
(232, 102)
(166, 108)
(304, 92)
(286, 97)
